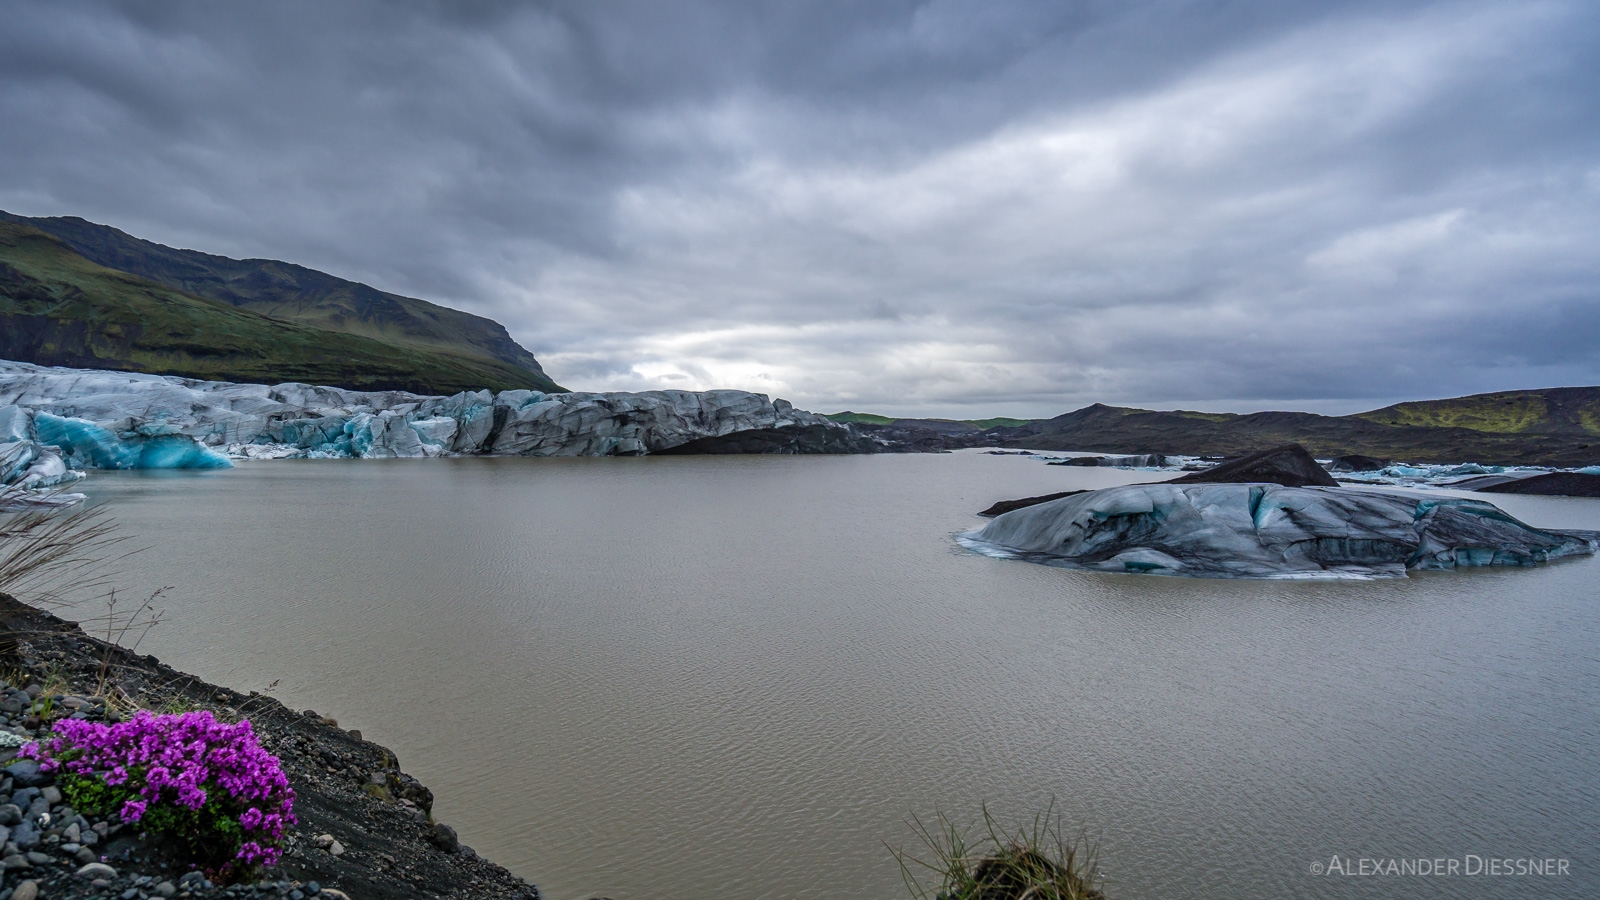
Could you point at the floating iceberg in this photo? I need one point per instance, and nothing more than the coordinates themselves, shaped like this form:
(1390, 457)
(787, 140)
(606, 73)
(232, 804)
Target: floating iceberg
(1268, 531)
(131, 420)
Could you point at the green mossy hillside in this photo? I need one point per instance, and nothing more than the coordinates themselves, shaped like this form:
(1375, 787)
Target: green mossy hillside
(60, 309)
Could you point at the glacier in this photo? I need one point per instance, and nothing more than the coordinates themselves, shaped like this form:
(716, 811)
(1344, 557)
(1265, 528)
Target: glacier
(1268, 531)
(106, 419)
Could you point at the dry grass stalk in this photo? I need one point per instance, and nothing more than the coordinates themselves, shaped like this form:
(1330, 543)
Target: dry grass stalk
(48, 556)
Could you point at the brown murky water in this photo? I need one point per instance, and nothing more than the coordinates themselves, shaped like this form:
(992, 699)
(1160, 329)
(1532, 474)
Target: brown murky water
(736, 677)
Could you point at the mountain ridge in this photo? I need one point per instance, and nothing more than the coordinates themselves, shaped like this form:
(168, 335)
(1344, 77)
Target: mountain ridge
(61, 309)
(293, 293)
(1551, 426)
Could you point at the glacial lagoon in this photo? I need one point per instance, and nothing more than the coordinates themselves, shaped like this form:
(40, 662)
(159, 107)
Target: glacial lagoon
(737, 677)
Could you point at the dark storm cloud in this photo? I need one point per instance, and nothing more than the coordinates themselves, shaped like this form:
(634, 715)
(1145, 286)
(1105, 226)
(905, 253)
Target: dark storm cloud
(949, 207)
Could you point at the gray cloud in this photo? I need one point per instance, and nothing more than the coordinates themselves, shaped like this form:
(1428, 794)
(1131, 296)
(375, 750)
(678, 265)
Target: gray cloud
(956, 208)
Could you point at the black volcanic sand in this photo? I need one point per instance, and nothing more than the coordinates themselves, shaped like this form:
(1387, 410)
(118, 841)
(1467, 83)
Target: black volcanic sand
(1550, 484)
(350, 794)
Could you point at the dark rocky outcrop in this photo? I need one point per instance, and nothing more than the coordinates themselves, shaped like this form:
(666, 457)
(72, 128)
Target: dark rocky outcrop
(1136, 461)
(1551, 484)
(1087, 462)
(1289, 465)
(1355, 462)
(794, 439)
(1005, 506)
(942, 426)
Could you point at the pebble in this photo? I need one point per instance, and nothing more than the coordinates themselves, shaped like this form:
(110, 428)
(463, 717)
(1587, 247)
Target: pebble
(443, 837)
(166, 889)
(25, 772)
(97, 870)
(28, 890)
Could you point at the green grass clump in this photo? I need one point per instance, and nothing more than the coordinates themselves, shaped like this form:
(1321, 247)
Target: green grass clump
(855, 418)
(1036, 862)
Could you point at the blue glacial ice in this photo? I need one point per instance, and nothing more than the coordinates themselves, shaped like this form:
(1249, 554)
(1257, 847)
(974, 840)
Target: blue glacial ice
(131, 420)
(1269, 531)
(144, 447)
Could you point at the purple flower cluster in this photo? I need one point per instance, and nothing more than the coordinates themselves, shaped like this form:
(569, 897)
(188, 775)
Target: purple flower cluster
(181, 760)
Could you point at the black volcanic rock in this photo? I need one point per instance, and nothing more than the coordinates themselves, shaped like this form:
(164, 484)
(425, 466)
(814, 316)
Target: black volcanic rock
(908, 436)
(1289, 465)
(1355, 462)
(942, 426)
(1136, 461)
(1550, 484)
(1005, 506)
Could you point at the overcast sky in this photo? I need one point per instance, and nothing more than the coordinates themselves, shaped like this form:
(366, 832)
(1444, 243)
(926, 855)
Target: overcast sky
(940, 208)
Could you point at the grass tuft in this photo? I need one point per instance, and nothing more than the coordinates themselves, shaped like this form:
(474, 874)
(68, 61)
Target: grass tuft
(1036, 862)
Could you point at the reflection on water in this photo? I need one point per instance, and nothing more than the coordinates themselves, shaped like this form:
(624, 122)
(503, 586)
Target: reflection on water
(737, 676)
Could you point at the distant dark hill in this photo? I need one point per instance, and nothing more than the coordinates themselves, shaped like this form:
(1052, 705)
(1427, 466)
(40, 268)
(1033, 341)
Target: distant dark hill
(58, 308)
(1553, 427)
(1572, 411)
(293, 293)
(1563, 431)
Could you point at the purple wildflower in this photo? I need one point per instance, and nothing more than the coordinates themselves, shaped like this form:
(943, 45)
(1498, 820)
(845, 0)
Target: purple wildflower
(181, 760)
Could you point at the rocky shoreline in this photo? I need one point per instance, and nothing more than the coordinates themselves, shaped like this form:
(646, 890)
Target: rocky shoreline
(365, 827)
